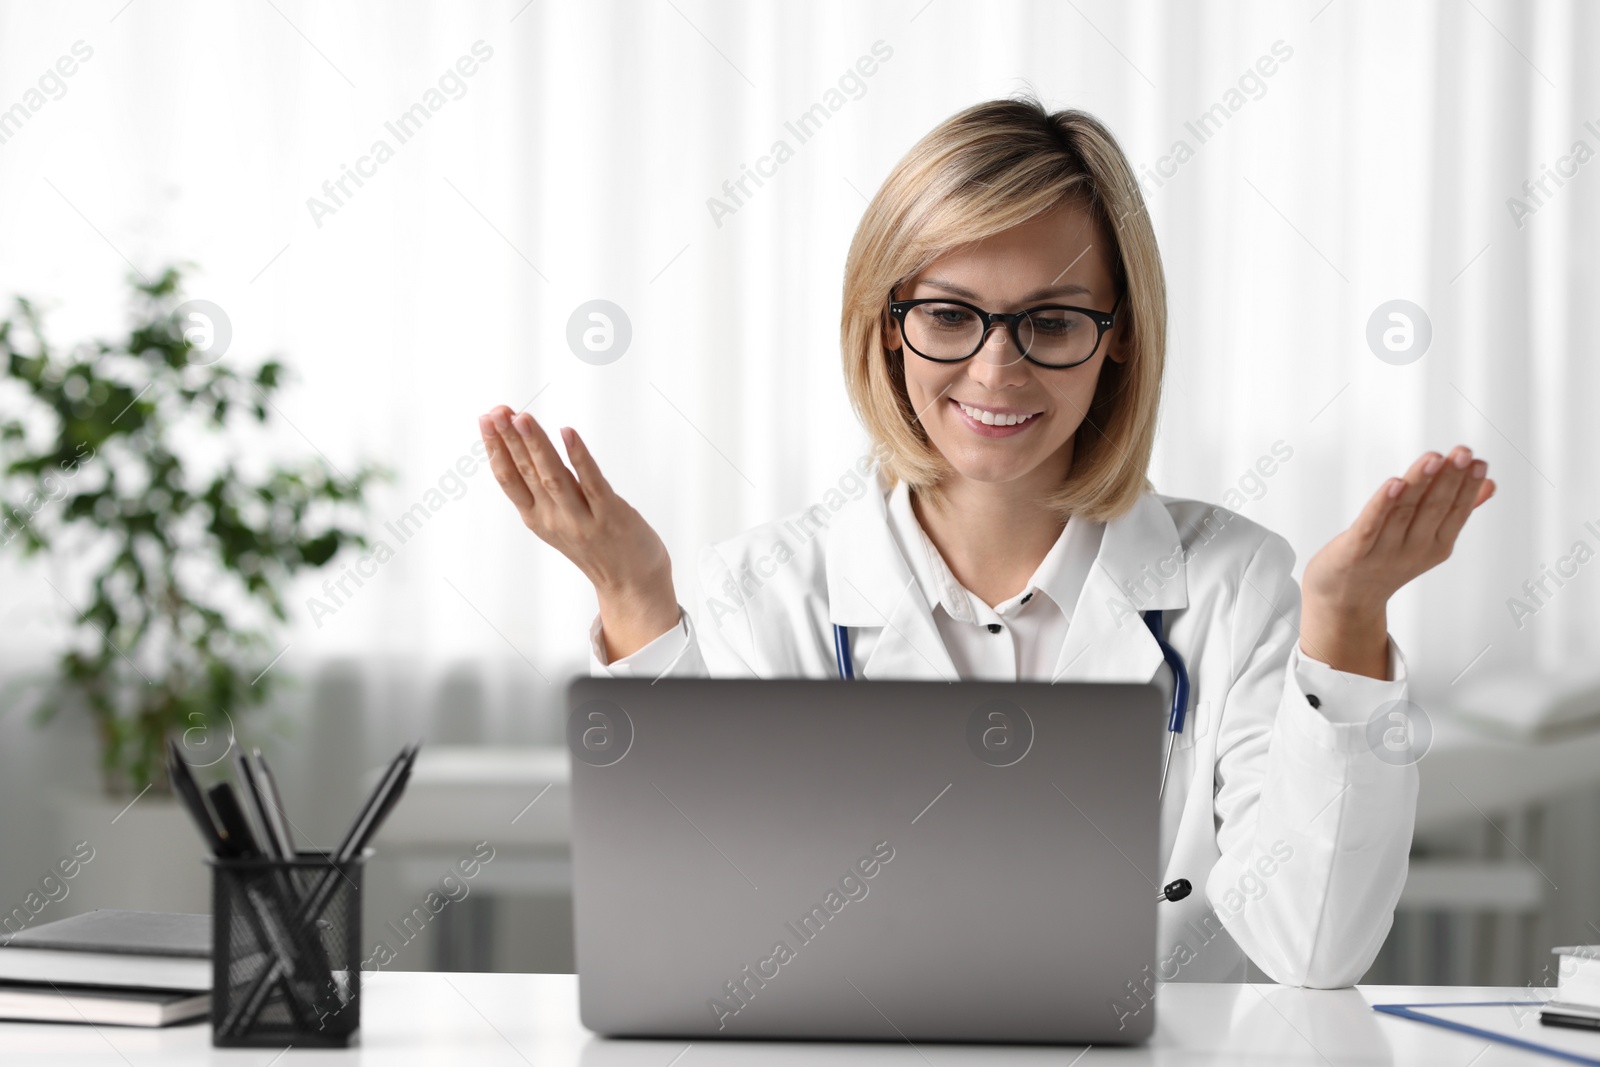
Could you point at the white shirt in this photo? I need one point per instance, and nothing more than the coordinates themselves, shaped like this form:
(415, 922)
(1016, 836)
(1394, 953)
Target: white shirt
(1019, 638)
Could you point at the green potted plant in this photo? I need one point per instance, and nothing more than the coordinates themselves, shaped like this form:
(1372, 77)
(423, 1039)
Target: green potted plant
(126, 462)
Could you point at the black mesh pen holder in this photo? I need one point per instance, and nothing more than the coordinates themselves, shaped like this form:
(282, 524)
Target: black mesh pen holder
(285, 951)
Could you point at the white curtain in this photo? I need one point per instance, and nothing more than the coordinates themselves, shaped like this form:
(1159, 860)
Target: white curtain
(576, 161)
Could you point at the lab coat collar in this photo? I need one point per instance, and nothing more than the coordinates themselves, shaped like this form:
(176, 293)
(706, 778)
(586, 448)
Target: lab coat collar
(1140, 565)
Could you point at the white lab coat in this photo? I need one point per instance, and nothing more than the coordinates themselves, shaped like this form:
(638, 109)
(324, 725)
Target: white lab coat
(1294, 834)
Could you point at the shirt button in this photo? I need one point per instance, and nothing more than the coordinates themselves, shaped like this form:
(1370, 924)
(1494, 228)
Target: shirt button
(1311, 698)
(994, 627)
(1025, 599)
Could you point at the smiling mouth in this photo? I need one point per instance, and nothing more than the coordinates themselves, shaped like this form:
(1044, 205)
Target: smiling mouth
(991, 418)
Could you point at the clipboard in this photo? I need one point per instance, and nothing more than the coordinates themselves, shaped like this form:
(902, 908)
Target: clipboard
(1509, 1022)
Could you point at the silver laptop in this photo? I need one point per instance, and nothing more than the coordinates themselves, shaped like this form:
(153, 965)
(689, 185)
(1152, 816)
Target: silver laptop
(917, 861)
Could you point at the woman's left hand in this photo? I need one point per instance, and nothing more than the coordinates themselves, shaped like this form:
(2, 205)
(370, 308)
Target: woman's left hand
(1408, 527)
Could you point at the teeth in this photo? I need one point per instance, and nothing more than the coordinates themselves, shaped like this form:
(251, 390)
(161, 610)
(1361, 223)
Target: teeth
(989, 418)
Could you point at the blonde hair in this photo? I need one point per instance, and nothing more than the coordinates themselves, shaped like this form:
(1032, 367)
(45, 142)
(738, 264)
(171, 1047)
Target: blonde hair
(978, 173)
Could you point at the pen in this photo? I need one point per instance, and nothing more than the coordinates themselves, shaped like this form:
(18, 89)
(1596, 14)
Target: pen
(274, 805)
(188, 791)
(251, 800)
(238, 839)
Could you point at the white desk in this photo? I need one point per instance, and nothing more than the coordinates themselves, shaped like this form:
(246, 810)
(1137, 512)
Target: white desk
(515, 1020)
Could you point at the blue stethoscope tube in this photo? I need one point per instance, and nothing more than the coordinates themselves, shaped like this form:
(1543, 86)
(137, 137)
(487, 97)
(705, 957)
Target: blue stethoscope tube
(1152, 619)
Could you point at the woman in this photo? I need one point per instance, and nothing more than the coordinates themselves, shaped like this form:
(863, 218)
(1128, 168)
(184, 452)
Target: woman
(1012, 534)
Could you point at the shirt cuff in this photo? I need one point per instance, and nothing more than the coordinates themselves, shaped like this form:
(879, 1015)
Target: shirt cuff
(647, 662)
(1346, 698)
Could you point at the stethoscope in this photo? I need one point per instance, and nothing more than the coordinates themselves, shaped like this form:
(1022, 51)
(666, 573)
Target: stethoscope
(1152, 619)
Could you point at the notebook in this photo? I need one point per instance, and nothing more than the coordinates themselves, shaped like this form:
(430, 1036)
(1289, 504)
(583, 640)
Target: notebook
(101, 1005)
(1578, 977)
(129, 949)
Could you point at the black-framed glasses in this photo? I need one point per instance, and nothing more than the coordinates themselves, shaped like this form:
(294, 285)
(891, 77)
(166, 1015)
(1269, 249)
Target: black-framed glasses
(947, 330)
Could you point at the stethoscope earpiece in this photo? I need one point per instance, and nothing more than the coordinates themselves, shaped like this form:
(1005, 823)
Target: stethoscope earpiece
(1175, 890)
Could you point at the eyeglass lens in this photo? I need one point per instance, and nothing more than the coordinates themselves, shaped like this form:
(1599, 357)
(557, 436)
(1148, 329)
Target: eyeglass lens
(951, 331)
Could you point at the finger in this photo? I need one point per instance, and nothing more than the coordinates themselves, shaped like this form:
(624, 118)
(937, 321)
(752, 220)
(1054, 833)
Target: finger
(593, 484)
(554, 478)
(1369, 524)
(493, 424)
(1485, 492)
(504, 467)
(486, 429)
(1443, 488)
(521, 457)
(1404, 507)
(1465, 500)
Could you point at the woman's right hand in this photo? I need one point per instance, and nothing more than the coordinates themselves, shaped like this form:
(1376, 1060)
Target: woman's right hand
(583, 519)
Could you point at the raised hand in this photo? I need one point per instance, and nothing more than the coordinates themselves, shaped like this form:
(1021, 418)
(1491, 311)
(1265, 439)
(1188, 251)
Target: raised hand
(1409, 526)
(586, 521)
